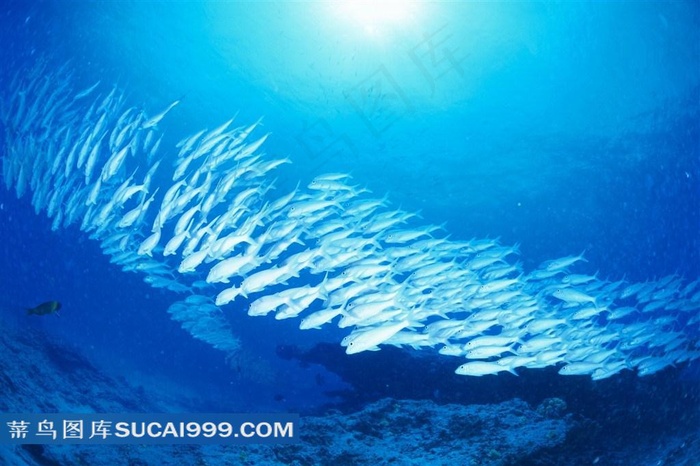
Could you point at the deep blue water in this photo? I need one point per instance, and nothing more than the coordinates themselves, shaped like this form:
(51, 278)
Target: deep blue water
(561, 127)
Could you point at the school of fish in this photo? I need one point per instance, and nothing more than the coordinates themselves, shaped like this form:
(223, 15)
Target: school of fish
(204, 220)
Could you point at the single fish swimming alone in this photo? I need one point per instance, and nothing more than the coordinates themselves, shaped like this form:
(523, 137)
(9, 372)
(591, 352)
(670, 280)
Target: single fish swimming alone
(49, 307)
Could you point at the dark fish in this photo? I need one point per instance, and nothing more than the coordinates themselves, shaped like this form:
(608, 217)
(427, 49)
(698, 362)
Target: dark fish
(48, 307)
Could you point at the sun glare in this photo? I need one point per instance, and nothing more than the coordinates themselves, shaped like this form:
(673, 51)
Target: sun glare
(378, 16)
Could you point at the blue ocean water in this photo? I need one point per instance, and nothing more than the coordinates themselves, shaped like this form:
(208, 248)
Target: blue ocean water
(563, 128)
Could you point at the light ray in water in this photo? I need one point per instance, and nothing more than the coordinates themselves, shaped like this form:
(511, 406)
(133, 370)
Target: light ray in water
(220, 232)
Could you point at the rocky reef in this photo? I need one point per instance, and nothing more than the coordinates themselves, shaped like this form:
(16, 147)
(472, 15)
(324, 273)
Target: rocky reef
(40, 375)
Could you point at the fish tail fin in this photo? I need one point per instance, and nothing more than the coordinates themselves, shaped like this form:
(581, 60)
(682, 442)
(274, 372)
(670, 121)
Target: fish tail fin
(441, 314)
(323, 292)
(512, 371)
(413, 324)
